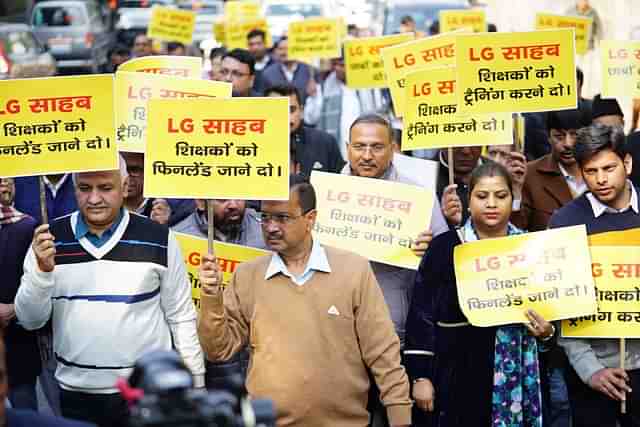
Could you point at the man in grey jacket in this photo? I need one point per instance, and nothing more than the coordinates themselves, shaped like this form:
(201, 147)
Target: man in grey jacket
(370, 154)
(234, 223)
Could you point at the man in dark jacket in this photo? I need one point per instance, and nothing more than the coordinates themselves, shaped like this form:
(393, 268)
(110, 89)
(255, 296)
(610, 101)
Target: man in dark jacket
(23, 363)
(59, 193)
(289, 72)
(315, 149)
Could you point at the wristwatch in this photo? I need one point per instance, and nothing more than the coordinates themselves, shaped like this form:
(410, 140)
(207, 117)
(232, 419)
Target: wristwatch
(553, 332)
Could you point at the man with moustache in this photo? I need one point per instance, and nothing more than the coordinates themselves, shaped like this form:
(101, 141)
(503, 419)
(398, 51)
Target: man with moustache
(555, 179)
(114, 285)
(315, 319)
(370, 153)
(235, 223)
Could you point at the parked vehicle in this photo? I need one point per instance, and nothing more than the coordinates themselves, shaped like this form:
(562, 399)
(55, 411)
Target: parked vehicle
(21, 55)
(424, 12)
(134, 17)
(75, 31)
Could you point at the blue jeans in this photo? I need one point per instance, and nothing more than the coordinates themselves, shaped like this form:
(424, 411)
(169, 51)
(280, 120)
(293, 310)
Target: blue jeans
(23, 396)
(557, 412)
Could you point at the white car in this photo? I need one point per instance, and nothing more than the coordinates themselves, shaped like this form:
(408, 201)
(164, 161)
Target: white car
(280, 13)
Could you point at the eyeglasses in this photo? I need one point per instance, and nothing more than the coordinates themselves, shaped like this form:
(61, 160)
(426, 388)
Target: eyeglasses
(278, 218)
(375, 148)
(235, 74)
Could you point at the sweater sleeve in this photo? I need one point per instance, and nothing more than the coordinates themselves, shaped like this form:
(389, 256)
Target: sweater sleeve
(380, 348)
(420, 338)
(222, 328)
(581, 357)
(175, 298)
(33, 300)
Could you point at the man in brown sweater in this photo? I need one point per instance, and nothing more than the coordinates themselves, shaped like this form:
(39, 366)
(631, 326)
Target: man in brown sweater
(315, 320)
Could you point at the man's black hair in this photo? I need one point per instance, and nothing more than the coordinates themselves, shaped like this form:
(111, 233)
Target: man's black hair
(257, 33)
(596, 138)
(243, 55)
(286, 90)
(300, 185)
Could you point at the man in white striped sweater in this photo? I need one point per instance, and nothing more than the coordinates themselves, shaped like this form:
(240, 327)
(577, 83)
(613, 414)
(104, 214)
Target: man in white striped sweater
(115, 287)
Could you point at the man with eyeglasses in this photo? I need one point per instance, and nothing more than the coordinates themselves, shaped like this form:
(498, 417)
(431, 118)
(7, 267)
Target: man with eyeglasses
(314, 318)
(238, 68)
(370, 154)
(555, 179)
(162, 211)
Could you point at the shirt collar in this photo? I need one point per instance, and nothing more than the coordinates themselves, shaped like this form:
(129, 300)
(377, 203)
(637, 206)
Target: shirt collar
(82, 229)
(567, 176)
(143, 205)
(391, 174)
(317, 261)
(600, 208)
(263, 62)
(55, 187)
(286, 70)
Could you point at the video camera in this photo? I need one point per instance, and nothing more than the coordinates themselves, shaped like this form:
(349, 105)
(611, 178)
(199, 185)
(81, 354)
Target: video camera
(160, 394)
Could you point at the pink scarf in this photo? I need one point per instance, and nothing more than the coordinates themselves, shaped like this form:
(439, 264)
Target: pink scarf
(10, 215)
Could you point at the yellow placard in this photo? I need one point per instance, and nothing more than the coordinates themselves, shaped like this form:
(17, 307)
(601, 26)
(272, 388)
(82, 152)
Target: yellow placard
(516, 72)
(133, 91)
(582, 26)
(547, 271)
(240, 9)
(218, 148)
(235, 33)
(229, 258)
(179, 66)
(620, 68)
(171, 25)
(431, 119)
(314, 38)
(401, 59)
(57, 125)
(376, 218)
(363, 63)
(452, 20)
(616, 269)
(219, 32)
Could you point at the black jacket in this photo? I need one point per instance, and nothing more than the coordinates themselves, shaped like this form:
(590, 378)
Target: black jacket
(316, 150)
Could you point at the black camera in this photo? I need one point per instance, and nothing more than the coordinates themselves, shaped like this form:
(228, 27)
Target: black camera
(160, 392)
